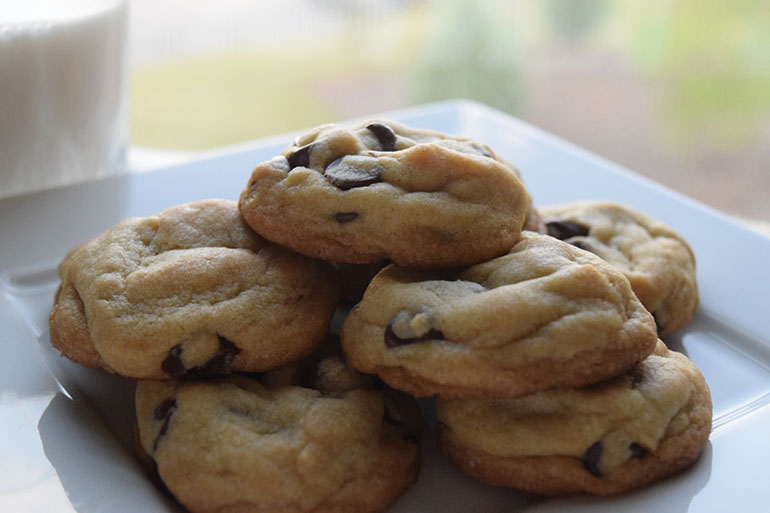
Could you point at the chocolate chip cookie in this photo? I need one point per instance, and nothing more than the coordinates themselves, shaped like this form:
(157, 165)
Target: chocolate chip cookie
(326, 371)
(647, 424)
(384, 191)
(190, 292)
(330, 445)
(545, 315)
(656, 260)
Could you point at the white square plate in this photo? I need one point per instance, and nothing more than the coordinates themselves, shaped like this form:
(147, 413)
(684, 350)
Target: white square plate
(65, 431)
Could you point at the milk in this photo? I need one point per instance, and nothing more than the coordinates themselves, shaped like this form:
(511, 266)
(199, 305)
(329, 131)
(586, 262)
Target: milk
(63, 91)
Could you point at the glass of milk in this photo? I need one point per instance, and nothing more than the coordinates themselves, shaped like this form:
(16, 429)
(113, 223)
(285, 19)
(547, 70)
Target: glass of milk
(63, 92)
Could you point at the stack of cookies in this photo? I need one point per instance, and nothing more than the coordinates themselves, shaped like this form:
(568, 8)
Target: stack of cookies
(536, 330)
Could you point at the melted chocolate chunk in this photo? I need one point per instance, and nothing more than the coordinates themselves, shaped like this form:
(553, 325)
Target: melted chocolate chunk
(345, 217)
(218, 365)
(344, 175)
(393, 340)
(173, 365)
(384, 134)
(637, 451)
(163, 412)
(301, 157)
(564, 230)
(592, 458)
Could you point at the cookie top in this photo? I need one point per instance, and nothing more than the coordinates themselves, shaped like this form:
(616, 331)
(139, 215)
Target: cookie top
(237, 445)
(656, 260)
(383, 190)
(189, 292)
(605, 438)
(546, 314)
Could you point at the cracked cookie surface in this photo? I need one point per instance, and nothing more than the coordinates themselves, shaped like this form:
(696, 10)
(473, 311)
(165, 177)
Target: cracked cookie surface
(656, 260)
(547, 314)
(310, 437)
(642, 426)
(190, 292)
(383, 190)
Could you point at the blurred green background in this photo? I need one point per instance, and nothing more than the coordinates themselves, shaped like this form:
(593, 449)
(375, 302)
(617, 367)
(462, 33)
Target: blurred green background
(678, 90)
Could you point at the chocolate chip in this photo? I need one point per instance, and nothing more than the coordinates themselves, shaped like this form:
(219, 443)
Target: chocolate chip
(637, 451)
(218, 365)
(564, 230)
(173, 365)
(345, 217)
(393, 340)
(163, 412)
(592, 458)
(301, 157)
(345, 175)
(384, 135)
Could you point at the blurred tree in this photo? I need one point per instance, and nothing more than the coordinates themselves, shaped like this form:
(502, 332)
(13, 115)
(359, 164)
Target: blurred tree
(573, 20)
(470, 52)
(713, 60)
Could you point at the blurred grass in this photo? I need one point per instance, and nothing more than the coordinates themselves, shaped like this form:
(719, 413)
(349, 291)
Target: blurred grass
(707, 60)
(471, 50)
(221, 99)
(712, 61)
